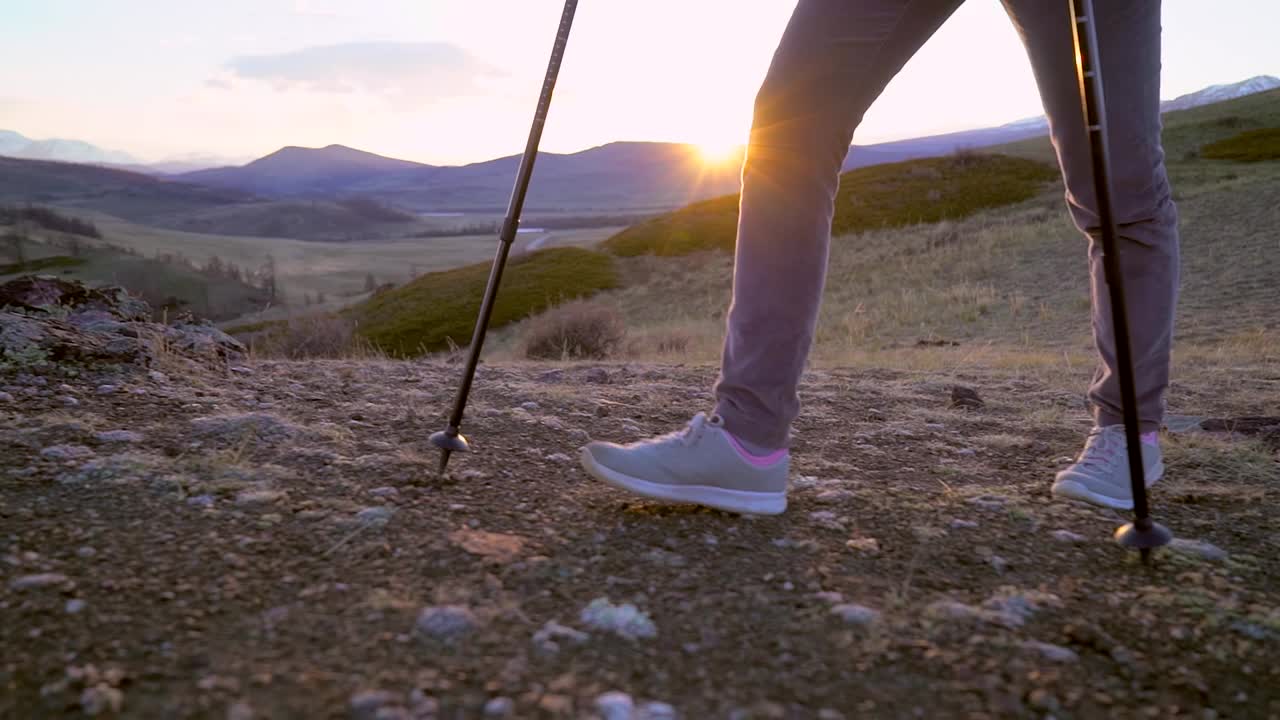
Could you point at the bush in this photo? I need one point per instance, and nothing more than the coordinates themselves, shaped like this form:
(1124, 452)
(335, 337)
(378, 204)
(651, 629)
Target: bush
(1249, 146)
(576, 331)
(439, 309)
(310, 336)
(893, 195)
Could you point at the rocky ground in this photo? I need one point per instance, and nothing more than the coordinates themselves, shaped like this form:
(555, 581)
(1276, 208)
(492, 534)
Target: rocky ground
(187, 534)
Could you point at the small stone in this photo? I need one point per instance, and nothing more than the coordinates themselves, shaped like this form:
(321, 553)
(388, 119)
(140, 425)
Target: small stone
(366, 703)
(106, 389)
(1053, 653)
(623, 620)
(958, 524)
(1067, 536)
(499, 707)
(555, 704)
(158, 376)
(240, 710)
(869, 546)
(547, 639)
(829, 596)
(998, 563)
(34, 582)
(830, 714)
(853, 614)
(559, 458)
(258, 497)
(100, 699)
(86, 551)
(68, 401)
(654, 710)
(530, 406)
(5, 397)
(66, 452)
(375, 516)
(965, 397)
(578, 436)
(1198, 549)
(75, 606)
(1249, 630)
(241, 370)
(615, 706)
(121, 436)
(989, 502)
(447, 623)
(385, 491)
(200, 501)
(832, 497)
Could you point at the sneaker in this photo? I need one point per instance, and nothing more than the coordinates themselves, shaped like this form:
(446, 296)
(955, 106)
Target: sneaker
(702, 465)
(1100, 475)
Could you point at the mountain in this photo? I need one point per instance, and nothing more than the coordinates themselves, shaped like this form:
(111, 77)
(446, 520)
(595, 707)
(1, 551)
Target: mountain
(17, 145)
(303, 171)
(1218, 93)
(899, 150)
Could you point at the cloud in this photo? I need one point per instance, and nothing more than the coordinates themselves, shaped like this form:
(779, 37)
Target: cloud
(423, 72)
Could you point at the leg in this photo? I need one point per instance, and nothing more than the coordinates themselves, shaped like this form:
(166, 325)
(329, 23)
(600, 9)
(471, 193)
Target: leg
(1129, 58)
(834, 60)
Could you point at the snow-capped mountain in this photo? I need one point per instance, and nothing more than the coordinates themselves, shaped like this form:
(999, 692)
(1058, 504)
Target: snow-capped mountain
(77, 151)
(1218, 93)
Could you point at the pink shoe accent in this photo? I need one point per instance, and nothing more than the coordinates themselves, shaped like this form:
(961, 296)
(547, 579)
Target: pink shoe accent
(756, 460)
(1151, 438)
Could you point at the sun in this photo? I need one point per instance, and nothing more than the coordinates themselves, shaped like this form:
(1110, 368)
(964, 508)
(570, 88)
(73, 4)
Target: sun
(719, 153)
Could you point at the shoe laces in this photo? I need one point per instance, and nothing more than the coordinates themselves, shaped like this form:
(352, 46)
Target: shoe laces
(1105, 446)
(697, 426)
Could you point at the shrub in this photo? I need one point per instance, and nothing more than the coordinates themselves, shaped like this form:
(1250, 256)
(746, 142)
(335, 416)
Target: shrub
(893, 195)
(306, 337)
(1248, 146)
(439, 309)
(575, 331)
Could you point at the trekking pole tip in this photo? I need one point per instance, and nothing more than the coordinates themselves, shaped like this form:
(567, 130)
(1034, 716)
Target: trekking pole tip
(1143, 537)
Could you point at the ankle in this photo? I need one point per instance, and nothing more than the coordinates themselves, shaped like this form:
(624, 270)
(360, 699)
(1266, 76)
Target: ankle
(754, 453)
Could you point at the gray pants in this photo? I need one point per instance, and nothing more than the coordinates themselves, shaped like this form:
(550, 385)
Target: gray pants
(834, 60)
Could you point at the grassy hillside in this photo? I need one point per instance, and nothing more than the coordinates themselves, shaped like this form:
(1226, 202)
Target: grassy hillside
(440, 308)
(1248, 146)
(894, 195)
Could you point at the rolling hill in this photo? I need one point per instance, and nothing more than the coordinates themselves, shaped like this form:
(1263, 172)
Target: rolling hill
(304, 171)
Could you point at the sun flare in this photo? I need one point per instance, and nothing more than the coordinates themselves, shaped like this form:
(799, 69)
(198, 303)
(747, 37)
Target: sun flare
(719, 153)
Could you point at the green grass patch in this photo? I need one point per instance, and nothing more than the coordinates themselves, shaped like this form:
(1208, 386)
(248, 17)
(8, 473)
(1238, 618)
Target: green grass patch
(39, 264)
(440, 308)
(1248, 146)
(907, 193)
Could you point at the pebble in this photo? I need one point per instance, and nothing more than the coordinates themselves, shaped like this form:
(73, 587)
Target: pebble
(75, 605)
(446, 622)
(124, 436)
(68, 401)
(579, 436)
(623, 620)
(999, 563)
(870, 546)
(375, 516)
(530, 406)
(958, 524)
(203, 501)
(1198, 548)
(989, 502)
(615, 706)
(968, 452)
(41, 580)
(1054, 653)
(654, 710)
(158, 376)
(258, 497)
(5, 397)
(853, 614)
(240, 710)
(548, 638)
(831, 497)
(99, 699)
(499, 707)
(106, 389)
(241, 370)
(66, 452)
(86, 551)
(1069, 537)
(385, 491)
(366, 703)
(559, 458)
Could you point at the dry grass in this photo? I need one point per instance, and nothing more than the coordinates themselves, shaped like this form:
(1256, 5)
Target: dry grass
(575, 331)
(311, 337)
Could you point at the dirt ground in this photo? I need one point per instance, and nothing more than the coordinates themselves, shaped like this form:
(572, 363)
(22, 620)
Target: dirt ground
(274, 542)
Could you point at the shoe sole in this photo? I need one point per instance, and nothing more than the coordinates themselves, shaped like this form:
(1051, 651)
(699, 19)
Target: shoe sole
(1076, 490)
(743, 502)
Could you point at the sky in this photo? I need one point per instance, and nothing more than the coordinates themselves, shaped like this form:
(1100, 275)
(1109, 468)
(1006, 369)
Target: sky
(455, 81)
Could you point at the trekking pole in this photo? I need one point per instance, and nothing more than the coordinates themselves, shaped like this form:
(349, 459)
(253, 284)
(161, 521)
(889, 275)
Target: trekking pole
(1141, 534)
(451, 440)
